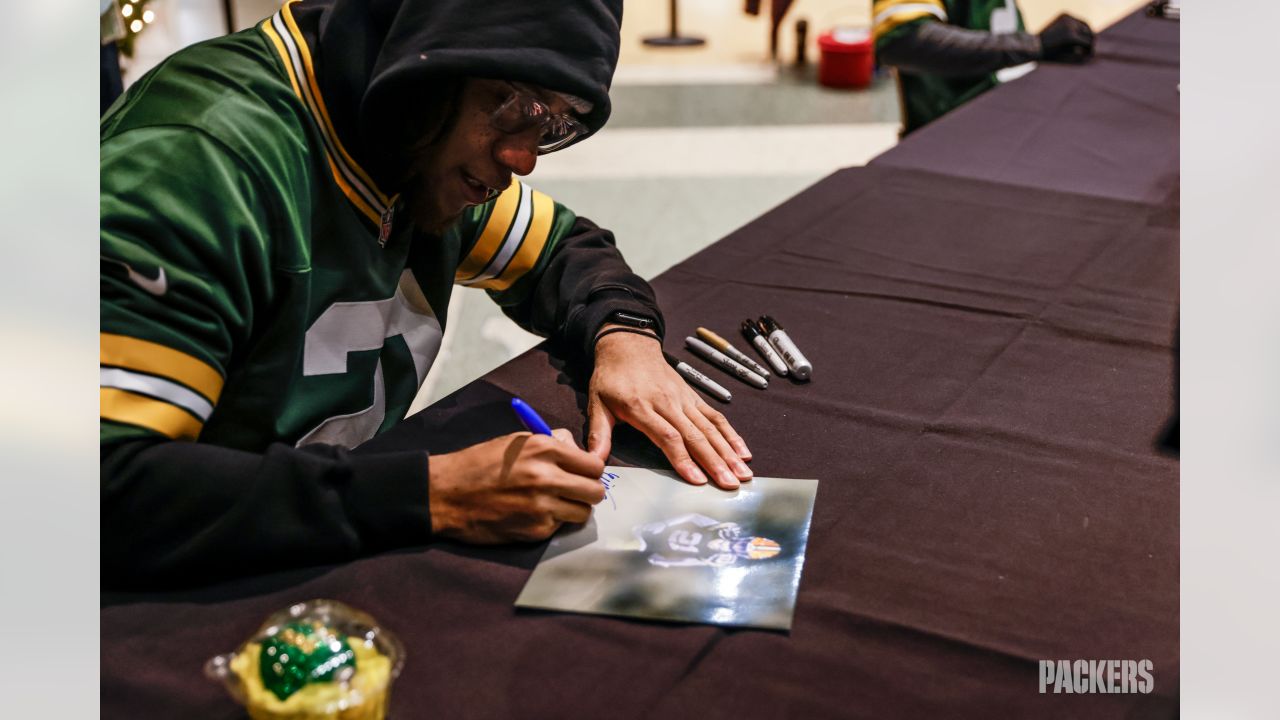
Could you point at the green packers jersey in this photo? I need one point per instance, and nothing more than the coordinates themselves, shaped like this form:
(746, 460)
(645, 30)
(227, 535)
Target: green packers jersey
(257, 285)
(927, 97)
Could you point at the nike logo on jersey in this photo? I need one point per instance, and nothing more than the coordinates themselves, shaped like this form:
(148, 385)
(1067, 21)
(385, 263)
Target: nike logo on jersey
(157, 285)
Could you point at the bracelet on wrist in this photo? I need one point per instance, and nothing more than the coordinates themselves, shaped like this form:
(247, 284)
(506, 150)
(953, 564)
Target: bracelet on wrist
(635, 331)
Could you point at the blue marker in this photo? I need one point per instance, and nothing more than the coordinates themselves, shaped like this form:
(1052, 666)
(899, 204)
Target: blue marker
(529, 418)
(536, 425)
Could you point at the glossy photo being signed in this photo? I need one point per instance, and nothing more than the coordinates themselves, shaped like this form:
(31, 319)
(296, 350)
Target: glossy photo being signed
(661, 549)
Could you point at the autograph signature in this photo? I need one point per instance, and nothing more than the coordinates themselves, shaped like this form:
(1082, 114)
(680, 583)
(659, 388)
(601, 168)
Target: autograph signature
(608, 479)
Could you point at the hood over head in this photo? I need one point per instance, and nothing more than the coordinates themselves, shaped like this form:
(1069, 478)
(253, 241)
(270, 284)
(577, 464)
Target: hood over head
(375, 57)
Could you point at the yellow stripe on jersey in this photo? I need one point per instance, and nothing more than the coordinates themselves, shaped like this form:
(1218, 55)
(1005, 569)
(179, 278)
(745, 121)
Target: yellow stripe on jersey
(535, 240)
(324, 111)
(881, 6)
(499, 223)
(284, 54)
(155, 359)
(365, 208)
(354, 182)
(889, 14)
(169, 420)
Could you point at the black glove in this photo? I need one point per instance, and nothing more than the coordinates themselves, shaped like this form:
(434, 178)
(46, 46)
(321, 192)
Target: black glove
(1066, 40)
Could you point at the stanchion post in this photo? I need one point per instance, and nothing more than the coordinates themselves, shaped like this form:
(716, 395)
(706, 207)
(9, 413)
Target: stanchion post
(673, 38)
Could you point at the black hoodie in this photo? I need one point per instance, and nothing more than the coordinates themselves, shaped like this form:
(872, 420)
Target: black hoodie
(371, 54)
(181, 512)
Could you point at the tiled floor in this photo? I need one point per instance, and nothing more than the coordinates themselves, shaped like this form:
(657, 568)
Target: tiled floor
(702, 140)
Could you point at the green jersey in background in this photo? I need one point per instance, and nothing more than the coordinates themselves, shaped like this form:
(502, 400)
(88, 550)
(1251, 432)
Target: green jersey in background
(927, 97)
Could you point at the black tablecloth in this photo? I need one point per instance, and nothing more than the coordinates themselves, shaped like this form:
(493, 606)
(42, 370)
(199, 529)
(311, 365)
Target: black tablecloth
(1109, 129)
(992, 354)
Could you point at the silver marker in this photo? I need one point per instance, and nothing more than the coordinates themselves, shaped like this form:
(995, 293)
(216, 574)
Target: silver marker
(714, 356)
(799, 365)
(751, 331)
(698, 380)
(723, 346)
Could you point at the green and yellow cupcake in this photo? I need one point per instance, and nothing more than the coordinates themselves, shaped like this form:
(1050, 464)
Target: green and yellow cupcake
(318, 660)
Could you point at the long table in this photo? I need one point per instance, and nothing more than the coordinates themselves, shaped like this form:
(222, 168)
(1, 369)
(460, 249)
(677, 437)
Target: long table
(990, 311)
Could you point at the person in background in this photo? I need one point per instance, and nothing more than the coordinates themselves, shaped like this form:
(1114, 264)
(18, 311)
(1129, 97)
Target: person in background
(947, 52)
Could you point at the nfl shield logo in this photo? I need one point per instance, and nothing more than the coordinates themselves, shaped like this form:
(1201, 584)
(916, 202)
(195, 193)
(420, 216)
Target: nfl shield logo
(385, 231)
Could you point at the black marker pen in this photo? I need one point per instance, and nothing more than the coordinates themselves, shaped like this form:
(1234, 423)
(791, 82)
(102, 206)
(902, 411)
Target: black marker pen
(751, 331)
(800, 366)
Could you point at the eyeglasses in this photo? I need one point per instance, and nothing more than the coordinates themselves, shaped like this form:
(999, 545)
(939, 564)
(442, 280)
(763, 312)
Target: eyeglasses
(522, 111)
